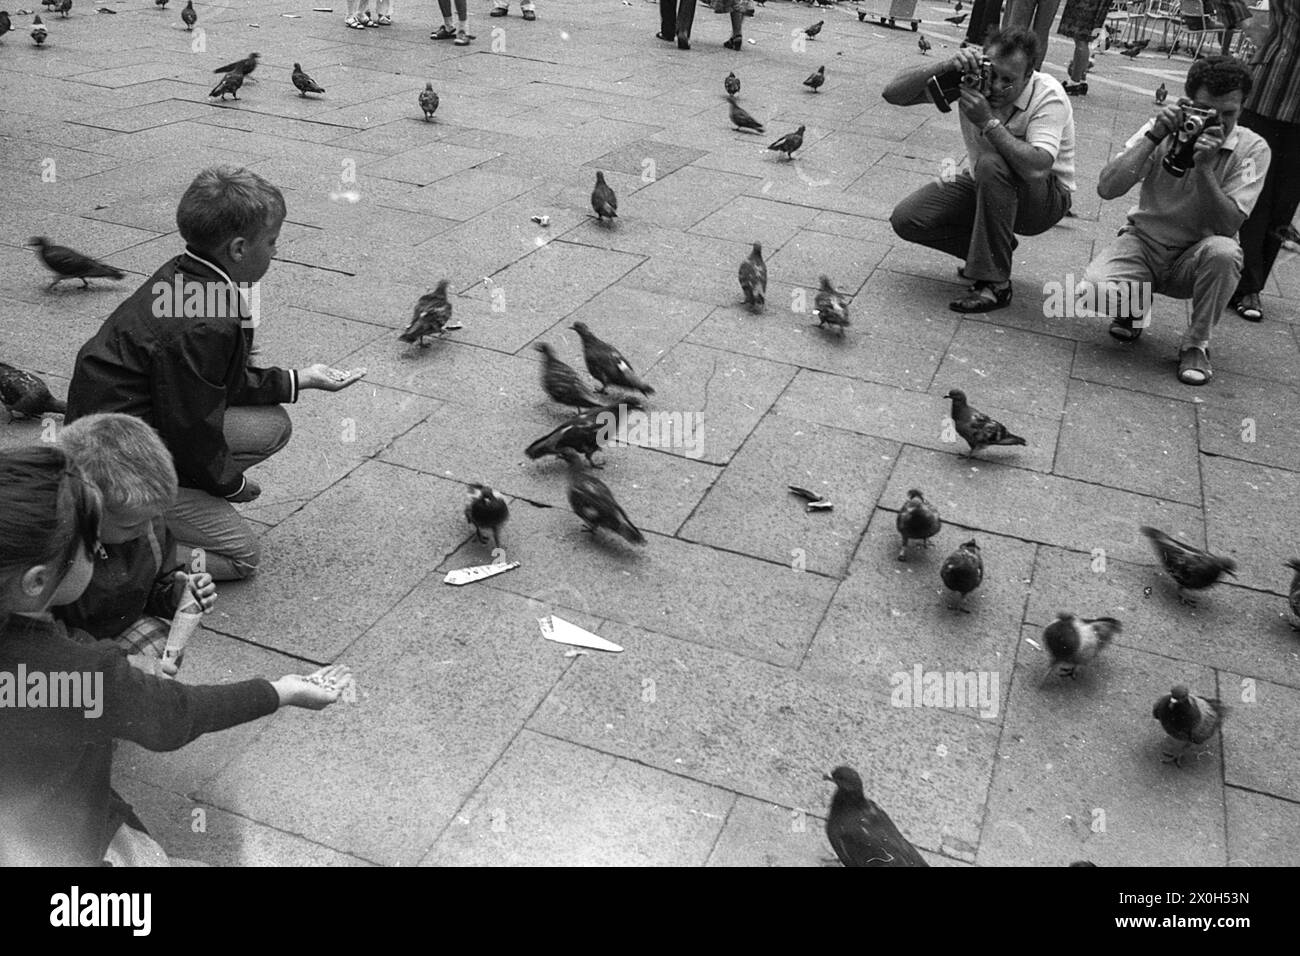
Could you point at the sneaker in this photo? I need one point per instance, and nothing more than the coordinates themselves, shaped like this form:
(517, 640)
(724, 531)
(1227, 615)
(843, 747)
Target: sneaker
(442, 33)
(462, 39)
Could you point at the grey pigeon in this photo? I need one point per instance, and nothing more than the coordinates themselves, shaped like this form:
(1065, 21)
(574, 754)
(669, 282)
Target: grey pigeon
(860, 833)
(431, 315)
(977, 428)
(160, 3)
(1191, 568)
(188, 16)
(957, 21)
(39, 33)
(582, 433)
(731, 84)
(23, 393)
(753, 279)
(789, 143)
(1071, 641)
(70, 264)
(963, 572)
(603, 200)
(63, 7)
(243, 67)
(230, 83)
(486, 509)
(815, 81)
(561, 381)
(428, 101)
(304, 83)
(831, 308)
(918, 520)
(1161, 95)
(1188, 718)
(742, 120)
(5, 24)
(924, 44)
(815, 29)
(594, 503)
(607, 364)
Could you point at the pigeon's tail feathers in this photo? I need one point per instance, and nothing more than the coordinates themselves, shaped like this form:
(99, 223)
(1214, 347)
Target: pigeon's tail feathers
(99, 270)
(542, 447)
(628, 530)
(1010, 439)
(1106, 628)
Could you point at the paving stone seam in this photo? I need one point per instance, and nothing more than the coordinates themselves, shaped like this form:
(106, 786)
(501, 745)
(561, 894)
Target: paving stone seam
(722, 828)
(1247, 461)
(1262, 793)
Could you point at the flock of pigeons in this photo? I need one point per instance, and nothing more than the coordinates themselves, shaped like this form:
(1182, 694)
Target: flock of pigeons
(860, 832)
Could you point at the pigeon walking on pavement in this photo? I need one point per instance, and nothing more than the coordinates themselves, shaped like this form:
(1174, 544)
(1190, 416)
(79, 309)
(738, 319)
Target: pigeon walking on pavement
(860, 833)
(583, 432)
(25, 394)
(1071, 641)
(789, 143)
(431, 315)
(243, 67)
(813, 30)
(963, 572)
(160, 3)
(978, 429)
(486, 509)
(69, 264)
(742, 120)
(1161, 95)
(753, 279)
(924, 45)
(593, 502)
(304, 83)
(561, 381)
(39, 33)
(830, 307)
(1191, 568)
(603, 200)
(63, 7)
(918, 520)
(1188, 718)
(731, 84)
(607, 364)
(428, 101)
(230, 83)
(5, 24)
(188, 16)
(957, 21)
(815, 81)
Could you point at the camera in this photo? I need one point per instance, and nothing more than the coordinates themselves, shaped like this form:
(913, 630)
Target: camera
(945, 88)
(1191, 124)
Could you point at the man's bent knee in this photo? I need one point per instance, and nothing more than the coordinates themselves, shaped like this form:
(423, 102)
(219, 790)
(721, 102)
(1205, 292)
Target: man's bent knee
(1219, 251)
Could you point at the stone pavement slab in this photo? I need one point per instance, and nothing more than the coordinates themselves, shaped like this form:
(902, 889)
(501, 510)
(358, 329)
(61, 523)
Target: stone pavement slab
(1262, 830)
(1257, 748)
(1243, 503)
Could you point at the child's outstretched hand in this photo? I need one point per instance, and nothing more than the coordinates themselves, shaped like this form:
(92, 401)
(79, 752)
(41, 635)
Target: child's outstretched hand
(204, 588)
(315, 691)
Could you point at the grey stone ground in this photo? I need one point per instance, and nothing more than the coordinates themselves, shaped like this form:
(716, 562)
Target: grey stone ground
(475, 741)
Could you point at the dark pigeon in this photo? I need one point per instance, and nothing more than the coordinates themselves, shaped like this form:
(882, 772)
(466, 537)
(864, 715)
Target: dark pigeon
(243, 67)
(606, 363)
(70, 264)
(582, 432)
(1293, 601)
(1161, 95)
(789, 143)
(594, 503)
(860, 833)
(753, 279)
(1191, 568)
(431, 315)
(815, 81)
(1071, 641)
(731, 84)
(815, 29)
(230, 83)
(5, 24)
(918, 520)
(603, 200)
(1188, 718)
(188, 16)
(831, 308)
(304, 83)
(428, 101)
(486, 509)
(978, 429)
(924, 44)
(963, 572)
(561, 381)
(742, 120)
(23, 393)
(39, 33)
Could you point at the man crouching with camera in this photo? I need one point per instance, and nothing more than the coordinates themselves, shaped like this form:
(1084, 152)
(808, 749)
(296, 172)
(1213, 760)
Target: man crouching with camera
(1201, 174)
(1019, 131)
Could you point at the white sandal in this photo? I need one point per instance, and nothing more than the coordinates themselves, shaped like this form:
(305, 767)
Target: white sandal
(353, 22)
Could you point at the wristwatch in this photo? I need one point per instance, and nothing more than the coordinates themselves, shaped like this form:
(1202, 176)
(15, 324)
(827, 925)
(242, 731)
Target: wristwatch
(1151, 135)
(990, 124)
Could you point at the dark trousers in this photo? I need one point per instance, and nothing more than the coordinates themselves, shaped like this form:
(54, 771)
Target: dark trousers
(985, 16)
(676, 17)
(1277, 203)
(976, 218)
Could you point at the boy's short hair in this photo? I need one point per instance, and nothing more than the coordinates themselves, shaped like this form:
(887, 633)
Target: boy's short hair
(1014, 40)
(125, 459)
(1219, 75)
(224, 202)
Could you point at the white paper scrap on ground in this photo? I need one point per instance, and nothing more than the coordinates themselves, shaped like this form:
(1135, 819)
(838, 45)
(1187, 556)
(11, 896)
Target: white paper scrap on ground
(562, 632)
(469, 575)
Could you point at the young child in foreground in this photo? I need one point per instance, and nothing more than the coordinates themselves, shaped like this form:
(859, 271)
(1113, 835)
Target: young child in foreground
(137, 584)
(57, 805)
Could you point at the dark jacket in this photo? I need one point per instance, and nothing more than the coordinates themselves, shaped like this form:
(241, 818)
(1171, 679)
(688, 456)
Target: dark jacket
(179, 374)
(57, 805)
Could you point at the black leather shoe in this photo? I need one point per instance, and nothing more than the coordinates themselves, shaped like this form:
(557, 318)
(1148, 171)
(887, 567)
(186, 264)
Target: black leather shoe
(683, 41)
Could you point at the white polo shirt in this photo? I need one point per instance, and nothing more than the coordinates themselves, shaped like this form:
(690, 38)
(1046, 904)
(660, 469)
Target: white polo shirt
(1041, 116)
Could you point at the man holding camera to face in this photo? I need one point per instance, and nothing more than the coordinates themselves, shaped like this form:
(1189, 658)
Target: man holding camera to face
(1019, 131)
(1201, 174)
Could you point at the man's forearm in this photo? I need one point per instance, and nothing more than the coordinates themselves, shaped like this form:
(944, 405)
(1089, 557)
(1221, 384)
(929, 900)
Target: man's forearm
(1026, 161)
(1219, 212)
(1118, 176)
(908, 88)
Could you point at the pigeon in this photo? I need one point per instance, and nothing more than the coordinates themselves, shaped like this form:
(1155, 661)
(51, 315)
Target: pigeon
(486, 509)
(815, 29)
(606, 363)
(243, 67)
(63, 7)
(977, 428)
(303, 82)
(594, 503)
(831, 308)
(188, 16)
(918, 520)
(160, 3)
(561, 381)
(957, 7)
(924, 44)
(22, 393)
(957, 21)
(731, 84)
(230, 83)
(582, 433)
(5, 24)
(70, 264)
(1192, 568)
(431, 315)
(1131, 52)
(1072, 641)
(603, 199)
(1161, 95)
(860, 833)
(428, 101)
(49, 3)
(39, 33)
(815, 81)
(753, 279)
(742, 120)
(789, 143)
(1188, 718)
(1293, 601)
(963, 571)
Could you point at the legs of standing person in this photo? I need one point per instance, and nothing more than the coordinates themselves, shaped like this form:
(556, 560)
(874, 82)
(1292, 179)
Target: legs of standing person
(1078, 71)
(384, 11)
(463, 35)
(1274, 209)
(685, 20)
(1035, 15)
(737, 26)
(356, 18)
(201, 521)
